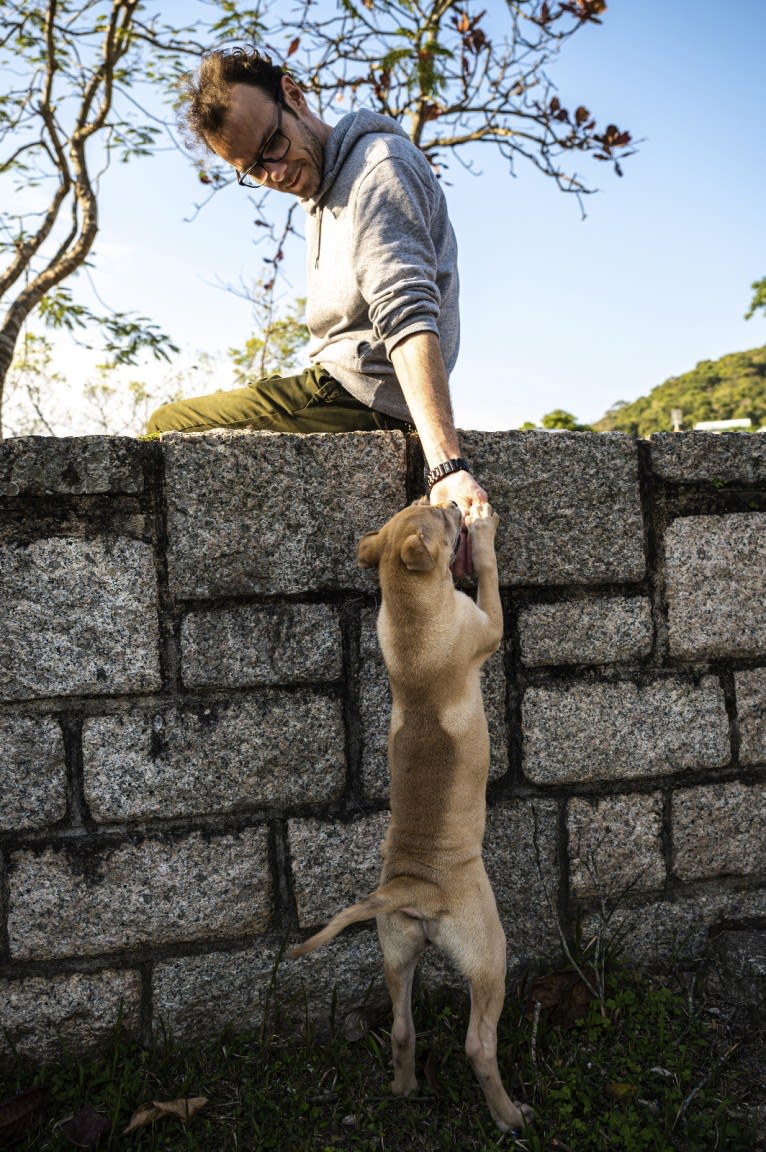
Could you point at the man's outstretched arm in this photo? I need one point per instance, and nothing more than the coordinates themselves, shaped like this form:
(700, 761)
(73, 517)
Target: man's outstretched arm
(422, 375)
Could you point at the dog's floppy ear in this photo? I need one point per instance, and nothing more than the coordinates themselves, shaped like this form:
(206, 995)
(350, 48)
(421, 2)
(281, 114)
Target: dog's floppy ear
(415, 554)
(368, 550)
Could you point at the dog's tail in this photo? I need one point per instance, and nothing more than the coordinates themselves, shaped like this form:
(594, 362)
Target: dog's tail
(389, 897)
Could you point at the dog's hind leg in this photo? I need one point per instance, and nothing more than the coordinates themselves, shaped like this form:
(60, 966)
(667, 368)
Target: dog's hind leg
(474, 940)
(402, 939)
(487, 995)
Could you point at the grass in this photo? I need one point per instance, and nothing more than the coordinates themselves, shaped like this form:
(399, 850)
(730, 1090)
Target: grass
(645, 1071)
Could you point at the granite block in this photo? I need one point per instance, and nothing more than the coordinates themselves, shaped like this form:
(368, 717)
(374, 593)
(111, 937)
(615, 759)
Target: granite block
(586, 631)
(737, 975)
(70, 465)
(192, 995)
(615, 845)
(569, 505)
(32, 772)
(271, 749)
(719, 830)
(78, 617)
(334, 864)
(267, 513)
(617, 731)
(374, 698)
(262, 644)
(668, 931)
(708, 457)
(716, 586)
(751, 715)
(79, 1010)
(89, 899)
(521, 858)
(341, 984)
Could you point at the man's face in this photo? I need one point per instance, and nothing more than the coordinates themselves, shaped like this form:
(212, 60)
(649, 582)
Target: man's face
(250, 124)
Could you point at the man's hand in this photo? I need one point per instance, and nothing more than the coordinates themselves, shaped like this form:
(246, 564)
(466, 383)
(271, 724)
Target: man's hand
(466, 493)
(462, 488)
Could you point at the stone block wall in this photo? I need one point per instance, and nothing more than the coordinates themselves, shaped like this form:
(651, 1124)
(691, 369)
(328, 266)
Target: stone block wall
(193, 712)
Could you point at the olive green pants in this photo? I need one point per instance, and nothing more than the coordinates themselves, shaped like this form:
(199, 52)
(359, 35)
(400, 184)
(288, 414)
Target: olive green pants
(310, 402)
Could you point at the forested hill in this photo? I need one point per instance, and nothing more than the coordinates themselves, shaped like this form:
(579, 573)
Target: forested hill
(727, 389)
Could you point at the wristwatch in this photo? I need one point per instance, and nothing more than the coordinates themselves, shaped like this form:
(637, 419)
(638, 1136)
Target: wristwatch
(446, 469)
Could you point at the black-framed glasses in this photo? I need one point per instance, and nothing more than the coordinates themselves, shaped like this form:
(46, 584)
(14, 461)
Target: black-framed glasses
(273, 152)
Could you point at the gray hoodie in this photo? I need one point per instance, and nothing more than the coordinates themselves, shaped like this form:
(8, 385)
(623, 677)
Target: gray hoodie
(382, 259)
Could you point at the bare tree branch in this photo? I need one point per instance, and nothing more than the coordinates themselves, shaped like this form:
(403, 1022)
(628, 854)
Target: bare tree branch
(64, 62)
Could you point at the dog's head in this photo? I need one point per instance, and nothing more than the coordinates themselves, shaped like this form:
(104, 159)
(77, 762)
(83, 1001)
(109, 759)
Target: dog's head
(421, 538)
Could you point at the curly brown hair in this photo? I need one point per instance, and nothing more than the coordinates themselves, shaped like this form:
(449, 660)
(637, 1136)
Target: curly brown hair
(206, 92)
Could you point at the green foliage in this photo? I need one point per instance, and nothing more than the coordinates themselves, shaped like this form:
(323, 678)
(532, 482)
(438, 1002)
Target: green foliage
(637, 1077)
(731, 388)
(280, 345)
(557, 420)
(124, 337)
(560, 419)
(759, 298)
(644, 1076)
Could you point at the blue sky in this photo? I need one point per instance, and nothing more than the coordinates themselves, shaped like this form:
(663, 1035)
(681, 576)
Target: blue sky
(557, 312)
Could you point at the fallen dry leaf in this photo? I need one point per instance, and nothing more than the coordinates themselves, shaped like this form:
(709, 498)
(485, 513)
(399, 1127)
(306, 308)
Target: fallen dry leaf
(620, 1092)
(147, 1114)
(86, 1128)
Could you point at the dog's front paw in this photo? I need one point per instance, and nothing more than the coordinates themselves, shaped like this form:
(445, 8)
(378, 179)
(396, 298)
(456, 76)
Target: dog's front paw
(481, 514)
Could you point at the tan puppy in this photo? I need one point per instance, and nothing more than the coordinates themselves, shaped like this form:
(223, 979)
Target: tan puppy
(434, 887)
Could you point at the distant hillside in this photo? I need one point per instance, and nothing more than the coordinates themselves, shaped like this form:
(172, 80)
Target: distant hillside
(727, 389)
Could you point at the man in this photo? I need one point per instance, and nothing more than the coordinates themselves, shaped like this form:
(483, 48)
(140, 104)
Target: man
(382, 292)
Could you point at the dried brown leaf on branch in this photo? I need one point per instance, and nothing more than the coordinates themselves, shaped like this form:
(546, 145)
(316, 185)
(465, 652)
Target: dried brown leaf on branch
(563, 996)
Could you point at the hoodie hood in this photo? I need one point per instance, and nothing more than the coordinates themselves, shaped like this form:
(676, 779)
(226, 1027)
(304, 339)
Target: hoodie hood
(345, 135)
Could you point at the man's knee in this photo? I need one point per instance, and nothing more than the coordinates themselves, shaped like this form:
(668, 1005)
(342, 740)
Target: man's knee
(166, 418)
(157, 422)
